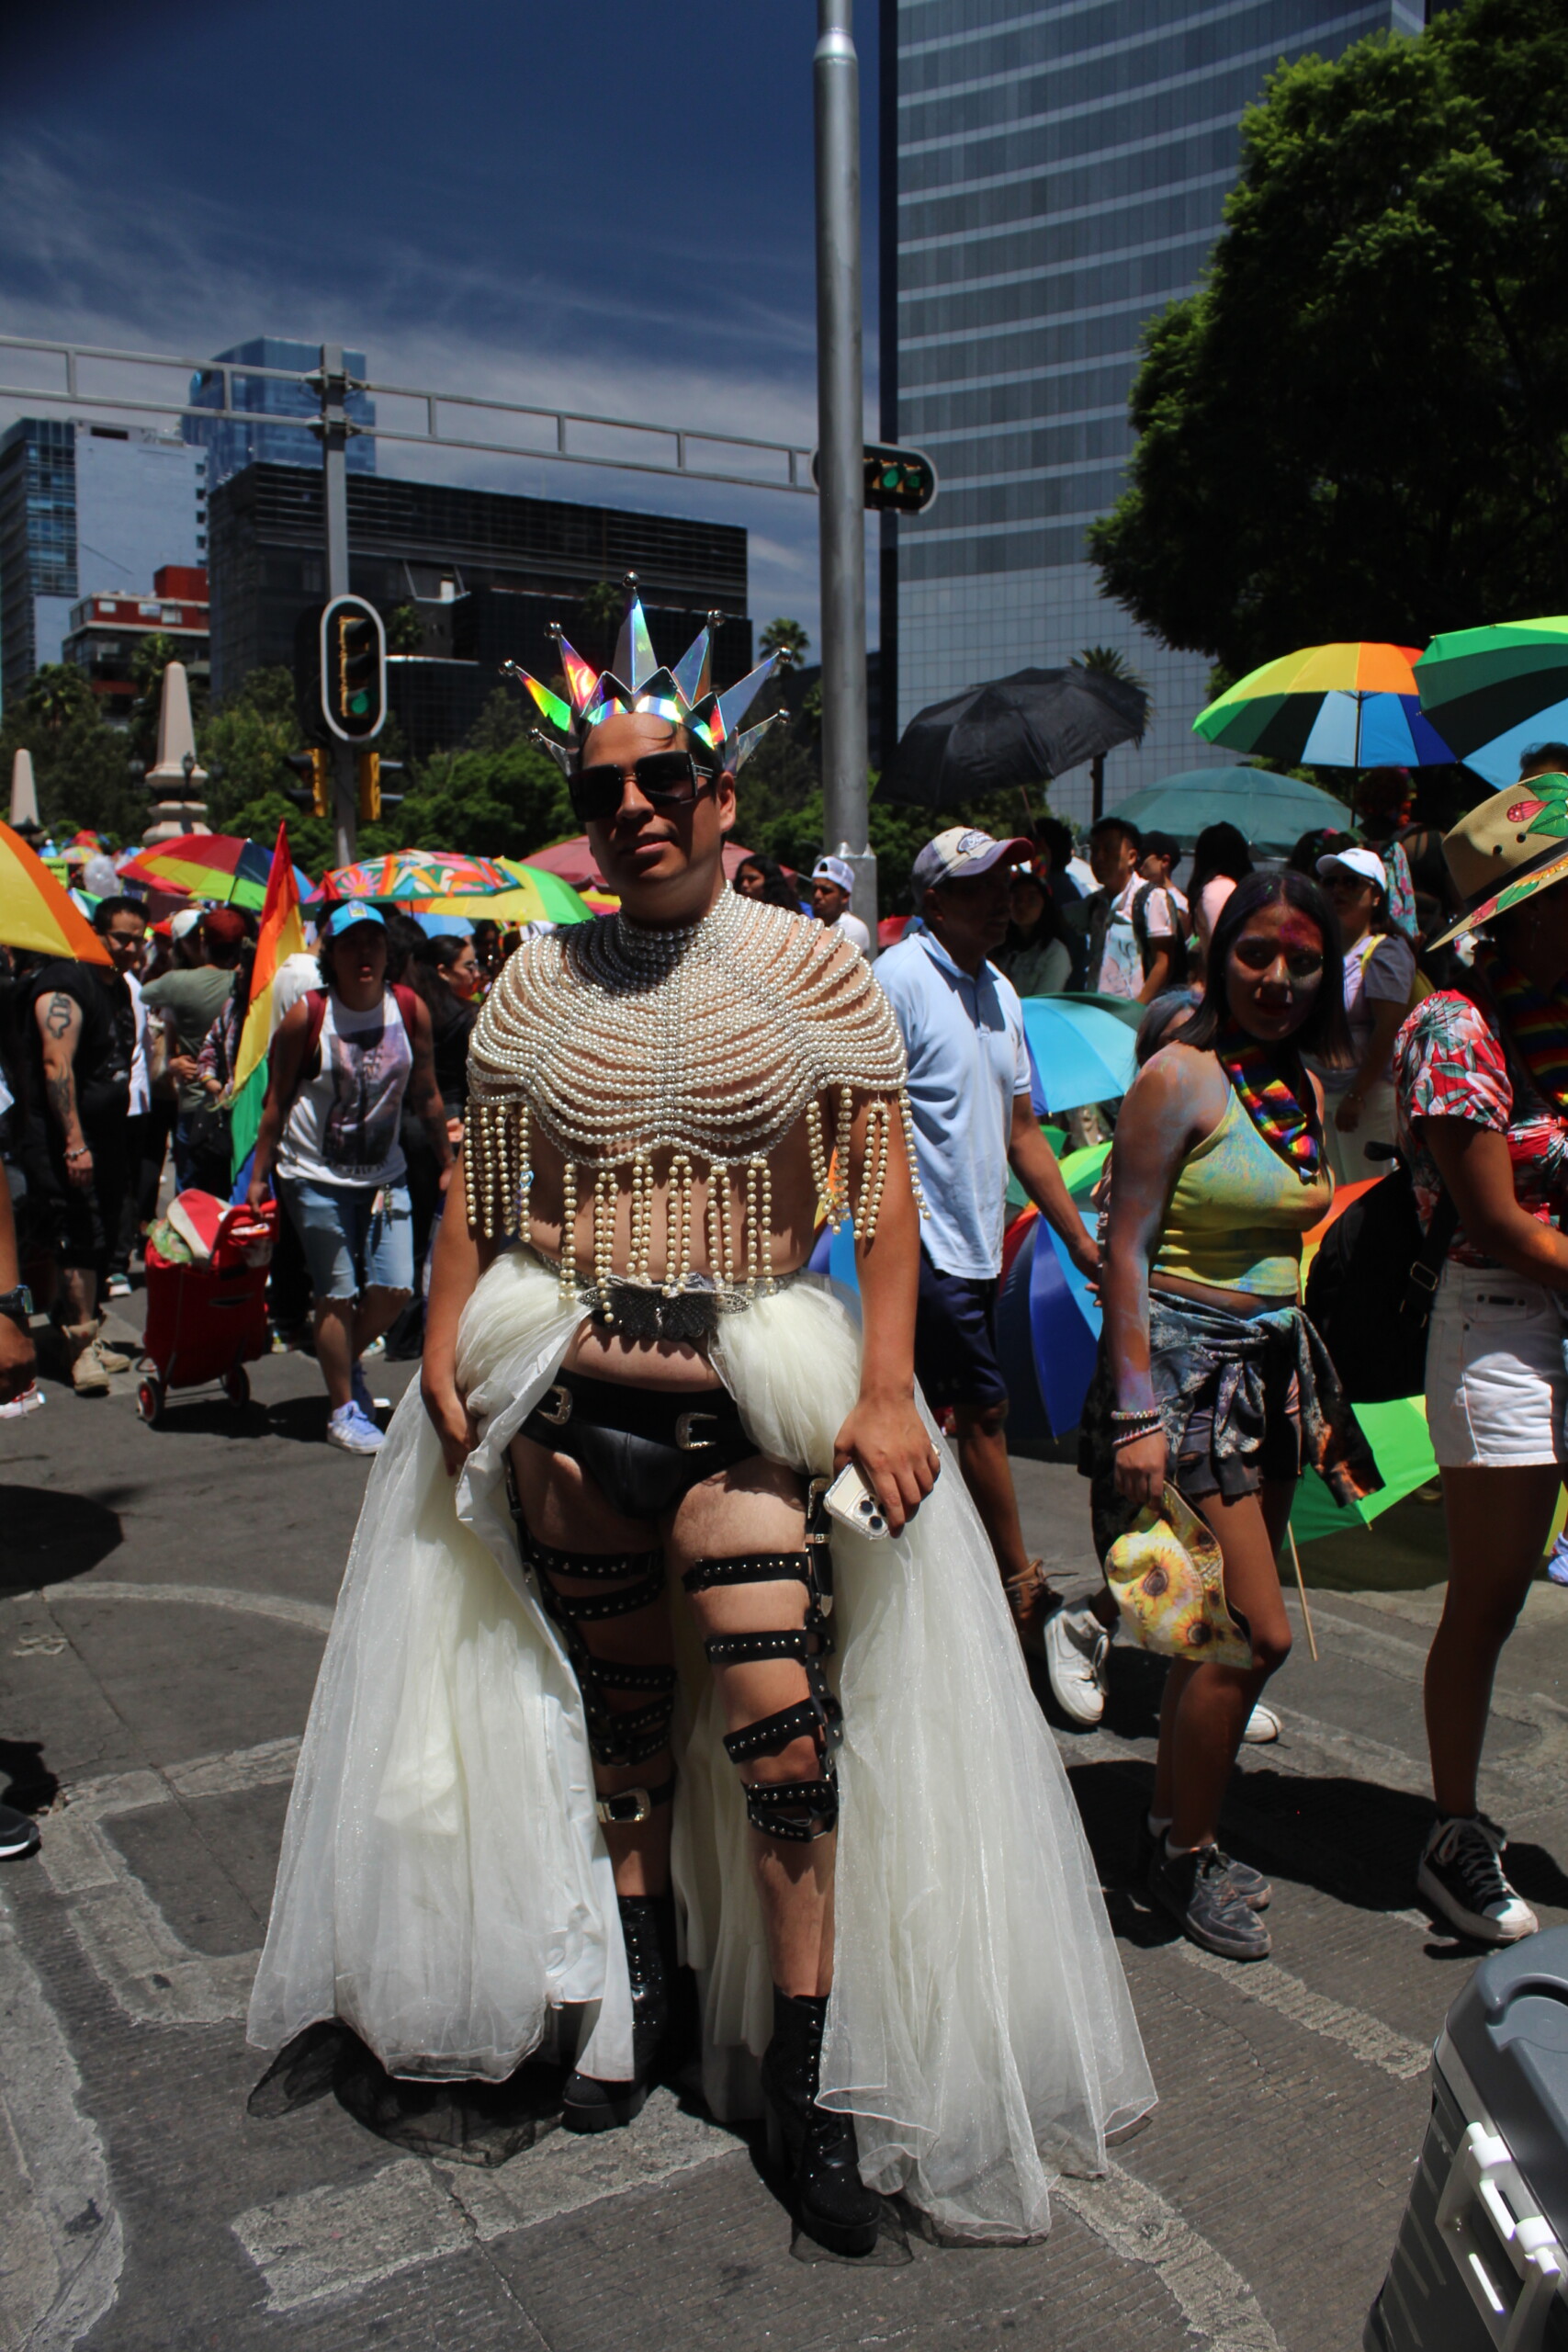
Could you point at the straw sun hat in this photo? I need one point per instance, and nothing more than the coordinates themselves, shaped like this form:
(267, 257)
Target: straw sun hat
(1514, 846)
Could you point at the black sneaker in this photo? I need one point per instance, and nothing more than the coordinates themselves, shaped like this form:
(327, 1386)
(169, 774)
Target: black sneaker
(1197, 1892)
(19, 1834)
(1251, 1885)
(1461, 1877)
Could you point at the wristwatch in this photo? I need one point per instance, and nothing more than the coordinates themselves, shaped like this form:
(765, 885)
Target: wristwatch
(18, 1304)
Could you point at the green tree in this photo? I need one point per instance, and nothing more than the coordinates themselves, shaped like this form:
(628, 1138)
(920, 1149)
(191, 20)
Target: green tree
(1357, 425)
(242, 744)
(788, 640)
(81, 765)
(492, 802)
(405, 630)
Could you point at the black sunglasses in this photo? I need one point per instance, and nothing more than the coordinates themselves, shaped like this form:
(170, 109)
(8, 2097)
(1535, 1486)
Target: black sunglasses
(665, 779)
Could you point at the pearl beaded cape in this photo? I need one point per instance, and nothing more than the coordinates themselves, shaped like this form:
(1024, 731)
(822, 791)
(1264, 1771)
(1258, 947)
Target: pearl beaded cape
(705, 1042)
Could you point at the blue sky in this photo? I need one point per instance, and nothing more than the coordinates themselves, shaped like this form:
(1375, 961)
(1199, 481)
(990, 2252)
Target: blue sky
(604, 205)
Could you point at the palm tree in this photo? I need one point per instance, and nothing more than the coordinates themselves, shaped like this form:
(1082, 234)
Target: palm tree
(1111, 663)
(787, 642)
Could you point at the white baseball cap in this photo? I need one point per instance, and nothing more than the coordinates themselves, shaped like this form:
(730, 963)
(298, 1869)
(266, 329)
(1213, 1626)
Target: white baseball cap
(835, 870)
(184, 922)
(959, 853)
(1364, 864)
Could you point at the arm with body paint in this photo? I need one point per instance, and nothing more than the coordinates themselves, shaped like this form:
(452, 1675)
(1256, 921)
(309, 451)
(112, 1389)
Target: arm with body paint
(1169, 1110)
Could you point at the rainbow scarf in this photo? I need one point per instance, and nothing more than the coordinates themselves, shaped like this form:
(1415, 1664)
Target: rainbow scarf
(1270, 1101)
(1536, 1025)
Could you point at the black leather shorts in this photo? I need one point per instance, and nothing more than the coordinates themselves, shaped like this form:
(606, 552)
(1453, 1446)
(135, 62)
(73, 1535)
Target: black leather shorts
(643, 1448)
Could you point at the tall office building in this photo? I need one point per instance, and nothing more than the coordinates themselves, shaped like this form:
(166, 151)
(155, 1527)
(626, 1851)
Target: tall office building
(84, 509)
(484, 571)
(1052, 177)
(231, 445)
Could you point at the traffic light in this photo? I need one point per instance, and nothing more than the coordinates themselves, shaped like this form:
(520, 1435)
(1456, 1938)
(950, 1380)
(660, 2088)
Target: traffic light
(316, 770)
(353, 669)
(900, 481)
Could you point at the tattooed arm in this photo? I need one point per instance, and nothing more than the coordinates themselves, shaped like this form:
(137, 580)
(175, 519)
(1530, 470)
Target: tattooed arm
(59, 1018)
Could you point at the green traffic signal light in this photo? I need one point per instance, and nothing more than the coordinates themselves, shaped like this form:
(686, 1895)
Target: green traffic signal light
(354, 675)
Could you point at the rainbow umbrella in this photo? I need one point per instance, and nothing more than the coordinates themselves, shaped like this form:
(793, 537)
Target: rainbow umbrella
(36, 913)
(533, 894)
(420, 877)
(1330, 706)
(220, 867)
(1496, 691)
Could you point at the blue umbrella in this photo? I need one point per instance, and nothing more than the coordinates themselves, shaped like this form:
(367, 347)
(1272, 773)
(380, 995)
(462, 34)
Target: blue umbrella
(1082, 1053)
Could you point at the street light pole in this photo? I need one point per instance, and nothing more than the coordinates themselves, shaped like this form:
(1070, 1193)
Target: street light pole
(334, 430)
(841, 432)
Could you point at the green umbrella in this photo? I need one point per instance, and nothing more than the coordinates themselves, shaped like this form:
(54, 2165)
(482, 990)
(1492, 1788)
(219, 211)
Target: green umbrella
(1274, 811)
(1494, 692)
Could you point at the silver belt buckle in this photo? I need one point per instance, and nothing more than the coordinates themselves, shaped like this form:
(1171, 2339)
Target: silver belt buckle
(684, 1438)
(558, 1413)
(638, 1799)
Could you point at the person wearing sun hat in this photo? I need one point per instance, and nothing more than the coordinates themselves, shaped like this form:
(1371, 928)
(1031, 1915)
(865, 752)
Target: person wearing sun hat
(1481, 1078)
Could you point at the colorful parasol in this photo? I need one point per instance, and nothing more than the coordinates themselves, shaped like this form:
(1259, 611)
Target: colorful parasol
(221, 866)
(418, 877)
(1083, 1053)
(574, 861)
(36, 913)
(1494, 692)
(1331, 707)
(532, 896)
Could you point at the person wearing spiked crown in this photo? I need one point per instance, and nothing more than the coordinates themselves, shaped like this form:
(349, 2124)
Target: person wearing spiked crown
(633, 1398)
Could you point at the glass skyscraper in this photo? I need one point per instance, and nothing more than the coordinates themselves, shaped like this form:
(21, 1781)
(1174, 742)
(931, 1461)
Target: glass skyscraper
(1051, 176)
(230, 446)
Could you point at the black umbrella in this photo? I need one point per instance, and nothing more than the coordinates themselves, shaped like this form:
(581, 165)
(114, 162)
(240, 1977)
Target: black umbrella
(1038, 723)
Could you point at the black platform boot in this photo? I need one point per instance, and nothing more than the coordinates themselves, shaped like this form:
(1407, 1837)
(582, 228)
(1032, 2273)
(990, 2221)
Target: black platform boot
(648, 1928)
(812, 2142)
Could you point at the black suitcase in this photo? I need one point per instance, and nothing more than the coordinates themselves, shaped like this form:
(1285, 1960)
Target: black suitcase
(1479, 2263)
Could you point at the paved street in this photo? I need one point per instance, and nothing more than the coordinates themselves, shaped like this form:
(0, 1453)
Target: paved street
(165, 1598)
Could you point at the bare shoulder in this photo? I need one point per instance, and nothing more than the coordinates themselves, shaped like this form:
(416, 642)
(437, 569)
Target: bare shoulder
(1178, 1096)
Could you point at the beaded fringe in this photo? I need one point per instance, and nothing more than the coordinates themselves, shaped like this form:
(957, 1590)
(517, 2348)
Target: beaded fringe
(498, 1175)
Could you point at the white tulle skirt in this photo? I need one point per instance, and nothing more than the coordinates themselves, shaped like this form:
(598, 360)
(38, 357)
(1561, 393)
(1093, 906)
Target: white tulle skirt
(443, 1888)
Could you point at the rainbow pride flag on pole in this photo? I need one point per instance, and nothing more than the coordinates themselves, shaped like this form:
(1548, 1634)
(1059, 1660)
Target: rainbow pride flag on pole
(282, 935)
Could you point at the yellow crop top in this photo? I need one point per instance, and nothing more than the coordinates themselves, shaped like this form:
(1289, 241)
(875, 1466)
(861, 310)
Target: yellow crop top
(1239, 1211)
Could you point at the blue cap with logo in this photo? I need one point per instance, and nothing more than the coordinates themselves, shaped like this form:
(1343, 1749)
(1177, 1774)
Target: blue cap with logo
(343, 918)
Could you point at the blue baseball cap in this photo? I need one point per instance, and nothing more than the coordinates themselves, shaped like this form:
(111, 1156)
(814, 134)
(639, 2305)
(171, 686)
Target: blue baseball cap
(343, 918)
(440, 926)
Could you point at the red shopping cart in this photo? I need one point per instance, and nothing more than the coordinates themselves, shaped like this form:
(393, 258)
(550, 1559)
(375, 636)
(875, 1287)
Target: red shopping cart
(207, 1320)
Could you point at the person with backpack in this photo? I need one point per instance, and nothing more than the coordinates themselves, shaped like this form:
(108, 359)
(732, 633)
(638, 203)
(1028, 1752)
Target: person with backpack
(1481, 1078)
(341, 1063)
(1137, 937)
(1380, 973)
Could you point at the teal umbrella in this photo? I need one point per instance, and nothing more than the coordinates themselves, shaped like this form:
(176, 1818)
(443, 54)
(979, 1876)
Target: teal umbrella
(1274, 811)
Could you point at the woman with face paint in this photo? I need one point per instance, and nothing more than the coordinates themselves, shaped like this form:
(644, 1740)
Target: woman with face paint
(1210, 1376)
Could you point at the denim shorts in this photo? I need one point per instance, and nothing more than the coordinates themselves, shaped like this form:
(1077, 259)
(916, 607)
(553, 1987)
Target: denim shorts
(1496, 1383)
(347, 1247)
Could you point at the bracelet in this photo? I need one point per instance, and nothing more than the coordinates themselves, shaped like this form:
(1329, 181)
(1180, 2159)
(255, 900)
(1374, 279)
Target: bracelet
(1143, 1413)
(1119, 1438)
(82, 1152)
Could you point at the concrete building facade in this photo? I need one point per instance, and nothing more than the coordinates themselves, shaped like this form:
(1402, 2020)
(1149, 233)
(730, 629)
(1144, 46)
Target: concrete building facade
(1052, 177)
(87, 508)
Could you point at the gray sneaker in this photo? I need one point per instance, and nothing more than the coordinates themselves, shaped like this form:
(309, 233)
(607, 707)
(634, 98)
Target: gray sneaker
(1196, 1890)
(1250, 1884)
(1461, 1874)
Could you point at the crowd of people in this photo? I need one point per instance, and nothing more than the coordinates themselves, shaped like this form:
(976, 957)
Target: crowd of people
(588, 1181)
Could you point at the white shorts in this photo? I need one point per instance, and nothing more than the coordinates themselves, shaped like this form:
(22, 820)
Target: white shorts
(1497, 1388)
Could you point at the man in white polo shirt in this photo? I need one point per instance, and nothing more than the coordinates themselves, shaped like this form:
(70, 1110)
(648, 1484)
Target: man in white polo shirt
(971, 1094)
(832, 886)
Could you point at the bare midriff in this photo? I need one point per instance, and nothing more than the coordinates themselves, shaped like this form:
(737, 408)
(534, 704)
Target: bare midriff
(602, 1353)
(1235, 1302)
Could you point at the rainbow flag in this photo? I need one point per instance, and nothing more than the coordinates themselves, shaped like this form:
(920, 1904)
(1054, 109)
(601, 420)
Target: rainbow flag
(282, 935)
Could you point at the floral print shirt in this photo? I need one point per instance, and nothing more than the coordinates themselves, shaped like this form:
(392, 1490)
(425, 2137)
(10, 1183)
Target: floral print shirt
(1451, 1061)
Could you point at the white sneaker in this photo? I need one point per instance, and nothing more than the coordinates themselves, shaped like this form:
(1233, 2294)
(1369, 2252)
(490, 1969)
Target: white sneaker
(117, 1286)
(1461, 1876)
(89, 1372)
(1262, 1725)
(349, 1429)
(1077, 1646)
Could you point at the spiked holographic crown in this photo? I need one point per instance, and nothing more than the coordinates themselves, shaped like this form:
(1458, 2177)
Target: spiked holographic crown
(685, 695)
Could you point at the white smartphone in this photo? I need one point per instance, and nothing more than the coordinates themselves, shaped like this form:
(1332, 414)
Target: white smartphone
(852, 1503)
